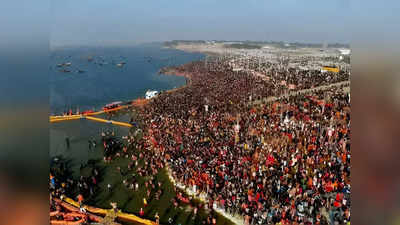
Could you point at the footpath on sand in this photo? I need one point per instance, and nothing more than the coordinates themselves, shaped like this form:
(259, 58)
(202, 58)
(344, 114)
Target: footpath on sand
(346, 89)
(202, 197)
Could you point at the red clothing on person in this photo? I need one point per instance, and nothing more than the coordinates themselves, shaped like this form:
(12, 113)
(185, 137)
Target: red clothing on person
(339, 196)
(80, 198)
(258, 196)
(141, 213)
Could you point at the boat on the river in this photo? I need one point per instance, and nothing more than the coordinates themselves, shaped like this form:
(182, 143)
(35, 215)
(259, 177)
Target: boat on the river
(112, 105)
(151, 94)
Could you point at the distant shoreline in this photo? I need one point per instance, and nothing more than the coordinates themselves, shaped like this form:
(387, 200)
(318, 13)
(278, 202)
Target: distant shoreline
(185, 48)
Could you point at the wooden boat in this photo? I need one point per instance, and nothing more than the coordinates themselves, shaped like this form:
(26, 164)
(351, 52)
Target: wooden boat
(72, 218)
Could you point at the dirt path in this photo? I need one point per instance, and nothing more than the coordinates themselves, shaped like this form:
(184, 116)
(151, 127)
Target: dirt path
(346, 89)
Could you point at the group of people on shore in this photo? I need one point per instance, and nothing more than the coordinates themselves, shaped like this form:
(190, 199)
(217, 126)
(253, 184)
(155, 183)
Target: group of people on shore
(62, 183)
(286, 161)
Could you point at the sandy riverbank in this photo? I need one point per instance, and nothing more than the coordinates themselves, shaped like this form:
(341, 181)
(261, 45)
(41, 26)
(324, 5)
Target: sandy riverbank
(209, 50)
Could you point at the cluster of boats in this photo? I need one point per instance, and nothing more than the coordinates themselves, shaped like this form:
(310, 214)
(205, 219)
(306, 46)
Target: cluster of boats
(64, 66)
(148, 95)
(65, 70)
(113, 106)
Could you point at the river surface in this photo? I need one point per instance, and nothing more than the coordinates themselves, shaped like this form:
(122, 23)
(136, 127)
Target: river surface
(102, 82)
(99, 82)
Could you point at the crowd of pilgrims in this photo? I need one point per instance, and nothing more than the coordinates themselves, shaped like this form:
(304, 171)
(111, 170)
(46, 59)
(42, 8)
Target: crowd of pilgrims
(286, 161)
(281, 76)
(63, 184)
(135, 177)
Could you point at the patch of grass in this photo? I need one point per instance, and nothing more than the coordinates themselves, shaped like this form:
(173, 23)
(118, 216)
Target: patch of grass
(128, 200)
(131, 201)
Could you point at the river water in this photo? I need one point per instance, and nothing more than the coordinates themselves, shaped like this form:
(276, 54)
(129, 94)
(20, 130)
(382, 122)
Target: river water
(103, 82)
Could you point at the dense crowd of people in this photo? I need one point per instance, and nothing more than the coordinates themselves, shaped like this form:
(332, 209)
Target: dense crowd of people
(62, 183)
(287, 161)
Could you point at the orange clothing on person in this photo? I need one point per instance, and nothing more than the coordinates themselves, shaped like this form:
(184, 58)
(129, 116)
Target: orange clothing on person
(310, 182)
(80, 198)
(344, 157)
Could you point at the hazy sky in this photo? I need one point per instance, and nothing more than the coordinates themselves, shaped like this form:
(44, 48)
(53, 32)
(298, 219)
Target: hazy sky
(133, 21)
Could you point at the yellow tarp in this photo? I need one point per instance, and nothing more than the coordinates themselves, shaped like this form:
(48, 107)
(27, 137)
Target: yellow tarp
(109, 121)
(75, 117)
(68, 117)
(120, 215)
(331, 69)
